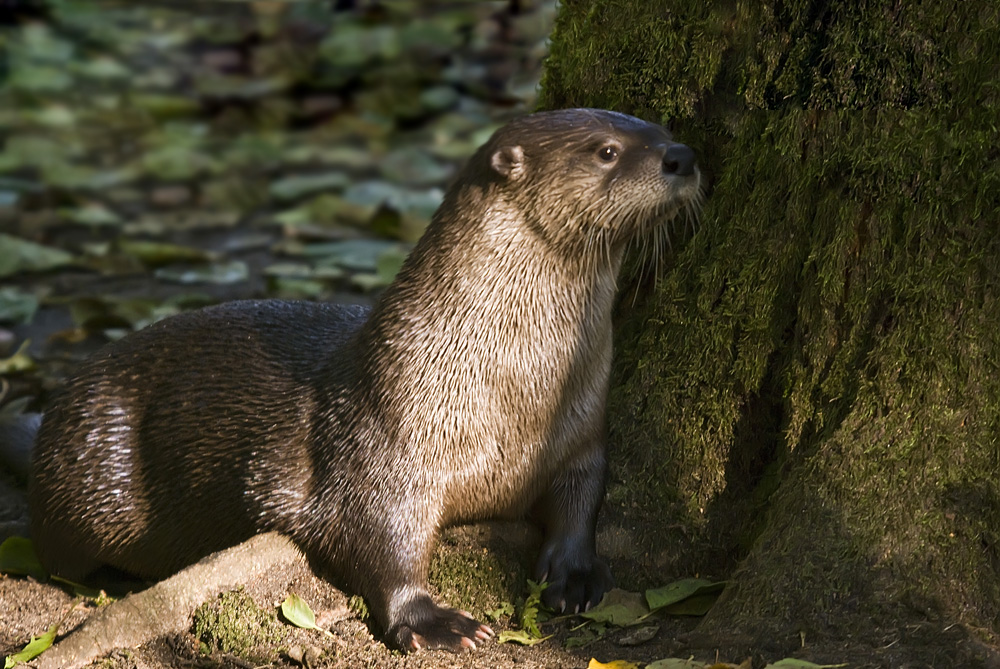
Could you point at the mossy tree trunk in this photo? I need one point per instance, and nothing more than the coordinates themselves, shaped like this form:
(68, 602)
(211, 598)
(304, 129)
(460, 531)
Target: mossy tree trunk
(812, 391)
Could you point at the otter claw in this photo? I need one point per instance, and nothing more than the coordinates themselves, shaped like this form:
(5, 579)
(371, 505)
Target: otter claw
(426, 626)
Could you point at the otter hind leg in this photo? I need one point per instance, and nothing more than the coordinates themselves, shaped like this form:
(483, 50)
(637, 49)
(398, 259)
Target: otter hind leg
(386, 561)
(420, 623)
(577, 577)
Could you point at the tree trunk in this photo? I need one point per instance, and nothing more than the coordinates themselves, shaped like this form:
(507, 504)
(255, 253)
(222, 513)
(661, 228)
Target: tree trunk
(808, 403)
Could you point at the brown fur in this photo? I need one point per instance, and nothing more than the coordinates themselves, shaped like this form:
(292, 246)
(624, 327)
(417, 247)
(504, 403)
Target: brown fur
(475, 388)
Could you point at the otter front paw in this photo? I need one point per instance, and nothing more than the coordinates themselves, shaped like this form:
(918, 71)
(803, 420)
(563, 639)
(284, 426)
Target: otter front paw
(424, 624)
(575, 582)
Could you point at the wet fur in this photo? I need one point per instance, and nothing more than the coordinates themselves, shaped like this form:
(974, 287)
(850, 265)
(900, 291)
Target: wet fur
(475, 388)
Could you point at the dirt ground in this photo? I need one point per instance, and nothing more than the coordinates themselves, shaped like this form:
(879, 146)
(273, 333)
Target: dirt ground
(29, 607)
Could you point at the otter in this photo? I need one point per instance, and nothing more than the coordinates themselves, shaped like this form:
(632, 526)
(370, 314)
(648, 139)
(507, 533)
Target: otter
(474, 388)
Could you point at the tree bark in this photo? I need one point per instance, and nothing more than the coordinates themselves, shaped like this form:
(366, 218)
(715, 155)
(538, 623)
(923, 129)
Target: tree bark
(808, 403)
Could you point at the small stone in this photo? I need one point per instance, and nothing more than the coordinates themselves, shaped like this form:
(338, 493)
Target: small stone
(313, 655)
(296, 654)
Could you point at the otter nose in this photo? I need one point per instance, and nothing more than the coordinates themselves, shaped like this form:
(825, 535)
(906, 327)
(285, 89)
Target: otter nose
(679, 160)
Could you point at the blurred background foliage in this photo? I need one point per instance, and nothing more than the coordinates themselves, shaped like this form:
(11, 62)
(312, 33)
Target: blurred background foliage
(159, 156)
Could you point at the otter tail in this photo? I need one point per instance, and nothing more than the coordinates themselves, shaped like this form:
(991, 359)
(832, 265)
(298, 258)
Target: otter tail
(17, 437)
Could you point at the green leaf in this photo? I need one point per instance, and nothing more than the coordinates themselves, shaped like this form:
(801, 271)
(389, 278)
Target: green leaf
(103, 313)
(93, 215)
(523, 637)
(21, 361)
(20, 255)
(157, 254)
(410, 201)
(678, 591)
(293, 288)
(698, 605)
(587, 634)
(233, 271)
(298, 613)
(86, 591)
(618, 607)
(354, 44)
(54, 116)
(102, 67)
(505, 609)
(35, 647)
(38, 78)
(675, 663)
(41, 43)
(165, 106)
(439, 98)
(17, 306)
(326, 208)
(413, 165)
(531, 611)
(791, 663)
(361, 255)
(17, 556)
(293, 270)
(296, 186)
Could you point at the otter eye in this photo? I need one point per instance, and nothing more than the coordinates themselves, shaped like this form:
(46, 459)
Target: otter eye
(607, 154)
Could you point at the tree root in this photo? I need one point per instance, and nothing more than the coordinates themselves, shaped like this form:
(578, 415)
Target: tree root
(166, 607)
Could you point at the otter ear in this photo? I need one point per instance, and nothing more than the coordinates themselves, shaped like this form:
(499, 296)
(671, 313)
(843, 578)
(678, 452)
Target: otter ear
(508, 161)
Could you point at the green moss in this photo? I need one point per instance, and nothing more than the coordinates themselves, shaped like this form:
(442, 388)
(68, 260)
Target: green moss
(476, 579)
(121, 658)
(821, 356)
(358, 606)
(233, 623)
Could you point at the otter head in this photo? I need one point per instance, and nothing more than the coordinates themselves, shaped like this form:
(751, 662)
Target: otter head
(587, 180)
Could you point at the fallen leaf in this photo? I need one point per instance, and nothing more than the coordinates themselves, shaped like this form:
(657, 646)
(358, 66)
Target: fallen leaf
(93, 215)
(522, 637)
(21, 361)
(157, 254)
(17, 556)
(676, 663)
(297, 612)
(17, 306)
(791, 663)
(35, 647)
(295, 186)
(21, 255)
(618, 607)
(639, 636)
(505, 609)
(614, 664)
(678, 591)
(233, 271)
(696, 605)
